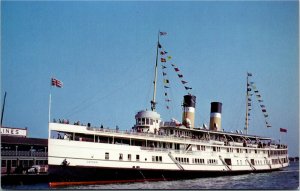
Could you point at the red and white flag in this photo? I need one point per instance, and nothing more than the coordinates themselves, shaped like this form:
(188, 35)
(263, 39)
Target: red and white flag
(56, 83)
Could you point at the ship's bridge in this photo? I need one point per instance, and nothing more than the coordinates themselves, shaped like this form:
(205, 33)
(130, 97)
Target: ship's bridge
(147, 121)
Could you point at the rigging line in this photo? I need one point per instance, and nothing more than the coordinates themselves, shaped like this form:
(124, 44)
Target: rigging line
(132, 67)
(117, 89)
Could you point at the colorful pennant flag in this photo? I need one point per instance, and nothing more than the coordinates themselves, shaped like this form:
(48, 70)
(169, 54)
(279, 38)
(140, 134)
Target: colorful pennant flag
(187, 88)
(249, 74)
(166, 81)
(180, 75)
(183, 82)
(169, 57)
(163, 60)
(176, 69)
(283, 130)
(159, 46)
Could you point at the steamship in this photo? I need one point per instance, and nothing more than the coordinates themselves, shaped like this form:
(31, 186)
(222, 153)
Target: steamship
(156, 150)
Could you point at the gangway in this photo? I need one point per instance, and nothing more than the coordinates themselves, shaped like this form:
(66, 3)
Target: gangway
(224, 163)
(175, 161)
(268, 163)
(251, 165)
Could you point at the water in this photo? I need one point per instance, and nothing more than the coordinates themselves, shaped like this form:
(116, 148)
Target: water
(285, 179)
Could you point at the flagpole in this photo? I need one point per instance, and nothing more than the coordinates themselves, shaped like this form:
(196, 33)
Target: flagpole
(280, 137)
(50, 101)
(153, 101)
(49, 107)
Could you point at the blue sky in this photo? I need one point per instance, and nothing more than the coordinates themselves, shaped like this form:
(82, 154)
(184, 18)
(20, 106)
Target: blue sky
(104, 53)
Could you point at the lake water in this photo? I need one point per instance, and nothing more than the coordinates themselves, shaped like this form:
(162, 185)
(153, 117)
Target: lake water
(288, 178)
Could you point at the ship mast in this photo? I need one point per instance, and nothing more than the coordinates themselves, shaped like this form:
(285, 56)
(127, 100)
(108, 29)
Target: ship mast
(153, 101)
(247, 105)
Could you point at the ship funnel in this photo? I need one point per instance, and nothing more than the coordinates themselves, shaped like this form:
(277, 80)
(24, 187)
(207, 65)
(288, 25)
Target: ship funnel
(215, 116)
(188, 116)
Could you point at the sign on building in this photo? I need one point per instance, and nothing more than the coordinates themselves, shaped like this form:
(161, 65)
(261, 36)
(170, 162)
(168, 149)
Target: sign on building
(14, 131)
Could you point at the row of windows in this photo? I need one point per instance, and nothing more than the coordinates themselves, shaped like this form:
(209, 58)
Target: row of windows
(200, 147)
(182, 160)
(279, 161)
(239, 150)
(156, 158)
(212, 161)
(216, 149)
(137, 157)
(24, 163)
(145, 121)
(283, 152)
(198, 161)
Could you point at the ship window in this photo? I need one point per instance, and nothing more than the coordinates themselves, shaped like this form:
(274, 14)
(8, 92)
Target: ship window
(137, 157)
(120, 156)
(214, 149)
(3, 163)
(129, 157)
(255, 151)
(139, 121)
(198, 147)
(106, 156)
(143, 121)
(160, 158)
(151, 121)
(147, 121)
